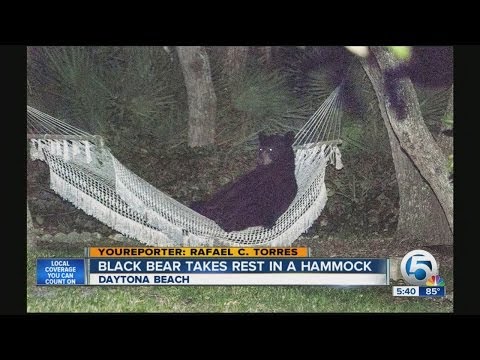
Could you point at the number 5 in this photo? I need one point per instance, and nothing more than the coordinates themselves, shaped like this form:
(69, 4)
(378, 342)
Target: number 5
(419, 263)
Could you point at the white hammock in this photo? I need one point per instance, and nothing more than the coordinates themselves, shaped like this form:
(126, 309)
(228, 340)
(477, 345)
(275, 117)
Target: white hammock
(84, 172)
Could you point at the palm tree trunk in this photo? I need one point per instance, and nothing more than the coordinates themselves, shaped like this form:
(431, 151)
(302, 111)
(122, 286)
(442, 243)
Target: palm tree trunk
(235, 60)
(202, 101)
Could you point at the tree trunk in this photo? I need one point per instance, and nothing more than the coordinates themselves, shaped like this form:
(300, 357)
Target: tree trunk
(235, 60)
(266, 52)
(420, 218)
(30, 230)
(424, 215)
(202, 102)
(446, 142)
(29, 219)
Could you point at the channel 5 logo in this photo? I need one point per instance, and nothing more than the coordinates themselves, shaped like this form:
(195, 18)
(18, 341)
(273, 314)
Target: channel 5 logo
(417, 266)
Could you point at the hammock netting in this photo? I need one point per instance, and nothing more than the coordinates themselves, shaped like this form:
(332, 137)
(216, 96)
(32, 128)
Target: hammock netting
(85, 172)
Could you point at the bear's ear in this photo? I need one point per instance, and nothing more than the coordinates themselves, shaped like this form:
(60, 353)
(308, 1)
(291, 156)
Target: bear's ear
(261, 137)
(289, 138)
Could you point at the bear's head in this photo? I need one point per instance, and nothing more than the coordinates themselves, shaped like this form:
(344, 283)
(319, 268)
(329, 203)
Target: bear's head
(276, 149)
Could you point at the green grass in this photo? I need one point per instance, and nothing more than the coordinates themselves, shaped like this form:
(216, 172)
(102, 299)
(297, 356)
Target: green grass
(212, 299)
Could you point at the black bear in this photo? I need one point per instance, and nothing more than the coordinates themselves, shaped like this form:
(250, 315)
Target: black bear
(259, 197)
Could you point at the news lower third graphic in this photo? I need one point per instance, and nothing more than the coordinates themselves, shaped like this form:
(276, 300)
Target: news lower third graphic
(61, 272)
(191, 266)
(420, 269)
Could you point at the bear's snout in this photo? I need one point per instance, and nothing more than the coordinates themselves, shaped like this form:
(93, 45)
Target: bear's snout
(264, 158)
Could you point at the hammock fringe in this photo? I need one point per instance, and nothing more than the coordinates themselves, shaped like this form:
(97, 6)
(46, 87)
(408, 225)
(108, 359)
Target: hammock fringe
(85, 173)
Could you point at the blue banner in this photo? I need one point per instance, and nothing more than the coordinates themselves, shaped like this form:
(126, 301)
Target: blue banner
(60, 272)
(250, 265)
(431, 291)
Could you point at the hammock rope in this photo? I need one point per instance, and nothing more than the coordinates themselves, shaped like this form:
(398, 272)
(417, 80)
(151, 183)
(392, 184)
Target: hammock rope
(85, 172)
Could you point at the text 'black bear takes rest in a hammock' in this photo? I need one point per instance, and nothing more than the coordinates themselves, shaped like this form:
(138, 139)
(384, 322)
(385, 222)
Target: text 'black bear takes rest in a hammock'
(259, 197)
